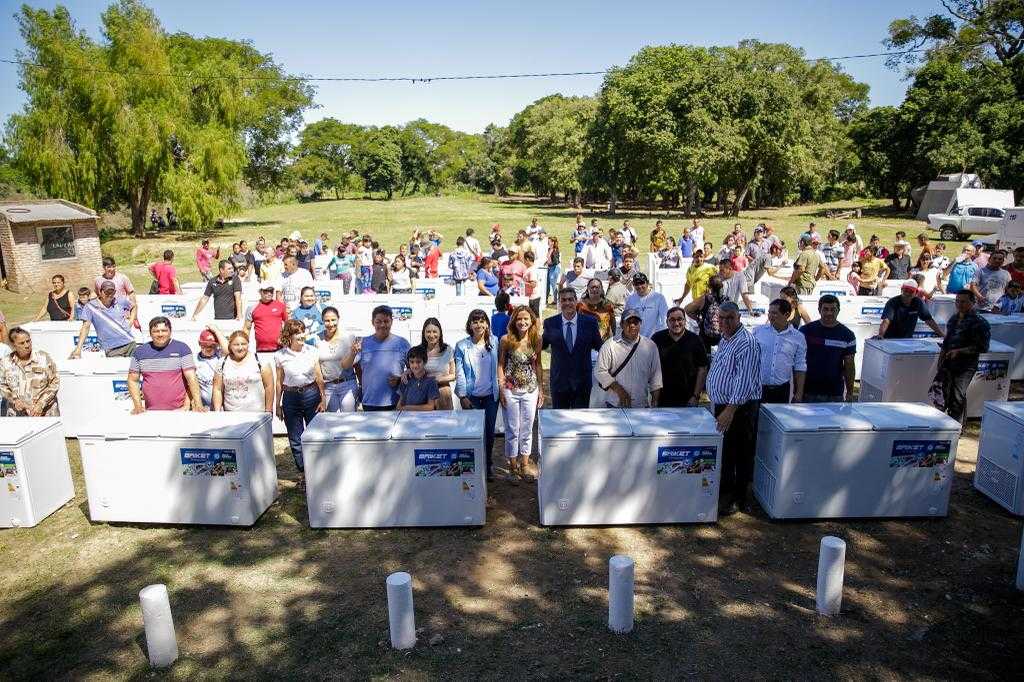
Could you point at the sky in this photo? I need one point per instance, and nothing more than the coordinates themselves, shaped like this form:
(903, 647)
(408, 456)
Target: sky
(399, 38)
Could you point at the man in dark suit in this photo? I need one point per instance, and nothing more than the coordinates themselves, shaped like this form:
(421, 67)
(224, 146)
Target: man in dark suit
(571, 336)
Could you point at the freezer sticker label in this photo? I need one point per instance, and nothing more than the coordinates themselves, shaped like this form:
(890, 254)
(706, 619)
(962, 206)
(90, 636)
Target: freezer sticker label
(441, 462)
(993, 369)
(324, 295)
(673, 460)
(172, 310)
(919, 453)
(92, 343)
(402, 312)
(208, 462)
(120, 388)
(871, 310)
(8, 467)
(427, 293)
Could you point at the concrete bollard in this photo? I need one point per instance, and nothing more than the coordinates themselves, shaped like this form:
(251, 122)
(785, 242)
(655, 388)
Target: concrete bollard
(831, 566)
(620, 594)
(161, 642)
(401, 619)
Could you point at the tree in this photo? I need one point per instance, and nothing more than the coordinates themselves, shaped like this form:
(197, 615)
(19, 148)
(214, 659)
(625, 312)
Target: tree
(885, 145)
(119, 123)
(324, 154)
(378, 160)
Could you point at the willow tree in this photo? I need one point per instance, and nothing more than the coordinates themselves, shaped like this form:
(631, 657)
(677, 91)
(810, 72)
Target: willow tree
(138, 116)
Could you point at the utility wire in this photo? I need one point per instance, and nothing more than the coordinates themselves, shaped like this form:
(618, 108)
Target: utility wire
(388, 79)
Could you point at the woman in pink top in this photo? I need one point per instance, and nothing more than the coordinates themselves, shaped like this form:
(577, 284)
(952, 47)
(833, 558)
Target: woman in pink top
(204, 257)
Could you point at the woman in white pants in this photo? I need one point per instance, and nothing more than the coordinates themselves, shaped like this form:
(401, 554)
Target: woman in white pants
(519, 383)
(334, 348)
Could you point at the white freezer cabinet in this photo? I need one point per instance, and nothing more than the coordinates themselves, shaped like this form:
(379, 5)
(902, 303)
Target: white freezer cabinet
(35, 477)
(180, 467)
(1000, 471)
(92, 388)
(991, 381)
(614, 466)
(837, 460)
(395, 469)
(898, 370)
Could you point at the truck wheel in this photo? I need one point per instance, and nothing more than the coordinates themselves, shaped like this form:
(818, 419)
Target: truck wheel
(949, 233)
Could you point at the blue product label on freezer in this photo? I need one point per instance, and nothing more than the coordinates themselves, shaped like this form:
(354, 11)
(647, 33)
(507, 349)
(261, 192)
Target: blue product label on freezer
(683, 459)
(120, 388)
(924, 334)
(444, 462)
(208, 462)
(919, 453)
(993, 369)
(8, 466)
(324, 295)
(871, 310)
(92, 343)
(426, 292)
(401, 312)
(172, 310)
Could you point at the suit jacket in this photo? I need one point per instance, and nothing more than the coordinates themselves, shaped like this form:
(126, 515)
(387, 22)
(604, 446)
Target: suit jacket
(571, 369)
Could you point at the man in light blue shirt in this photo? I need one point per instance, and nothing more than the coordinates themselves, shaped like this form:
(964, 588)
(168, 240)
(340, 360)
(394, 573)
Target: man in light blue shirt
(381, 362)
(112, 316)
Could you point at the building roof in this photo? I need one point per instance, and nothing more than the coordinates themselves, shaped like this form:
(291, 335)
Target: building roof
(43, 211)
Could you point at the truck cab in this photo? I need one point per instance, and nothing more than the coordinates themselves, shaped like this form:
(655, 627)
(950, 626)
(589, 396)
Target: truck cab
(962, 222)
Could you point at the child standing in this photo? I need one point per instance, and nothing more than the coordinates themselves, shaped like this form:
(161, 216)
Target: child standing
(419, 392)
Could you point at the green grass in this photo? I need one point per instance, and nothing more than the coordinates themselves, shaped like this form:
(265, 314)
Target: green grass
(391, 223)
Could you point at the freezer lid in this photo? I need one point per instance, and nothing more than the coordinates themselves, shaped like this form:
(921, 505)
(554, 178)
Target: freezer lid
(1010, 409)
(364, 426)
(438, 425)
(906, 417)
(93, 366)
(15, 430)
(589, 423)
(176, 424)
(816, 417)
(998, 348)
(663, 421)
(905, 346)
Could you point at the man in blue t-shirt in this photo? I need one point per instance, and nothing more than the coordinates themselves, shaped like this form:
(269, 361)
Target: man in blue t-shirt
(902, 313)
(112, 316)
(381, 362)
(962, 272)
(830, 350)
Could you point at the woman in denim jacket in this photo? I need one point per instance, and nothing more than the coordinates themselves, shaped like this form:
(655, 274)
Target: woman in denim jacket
(476, 374)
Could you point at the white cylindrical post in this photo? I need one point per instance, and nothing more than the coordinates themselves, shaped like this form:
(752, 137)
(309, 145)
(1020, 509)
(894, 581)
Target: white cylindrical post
(1020, 566)
(161, 642)
(831, 566)
(401, 618)
(620, 594)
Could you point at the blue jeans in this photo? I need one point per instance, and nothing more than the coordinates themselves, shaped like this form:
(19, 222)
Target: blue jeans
(489, 405)
(554, 272)
(342, 396)
(299, 408)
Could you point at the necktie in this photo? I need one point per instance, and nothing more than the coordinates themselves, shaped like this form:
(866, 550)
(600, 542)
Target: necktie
(568, 335)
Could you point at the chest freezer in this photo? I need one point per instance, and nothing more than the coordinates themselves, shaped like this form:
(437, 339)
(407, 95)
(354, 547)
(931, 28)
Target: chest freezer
(863, 328)
(1000, 470)
(92, 388)
(175, 307)
(59, 339)
(991, 381)
(395, 469)
(35, 477)
(613, 466)
(772, 288)
(180, 467)
(1009, 329)
(836, 460)
(898, 370)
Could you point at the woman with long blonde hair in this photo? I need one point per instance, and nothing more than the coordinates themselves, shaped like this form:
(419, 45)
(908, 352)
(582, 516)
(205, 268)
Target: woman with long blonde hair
(519, 386)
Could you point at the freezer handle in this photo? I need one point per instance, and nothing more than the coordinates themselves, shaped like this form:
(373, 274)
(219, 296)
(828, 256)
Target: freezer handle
(435, 436)
(115, 436)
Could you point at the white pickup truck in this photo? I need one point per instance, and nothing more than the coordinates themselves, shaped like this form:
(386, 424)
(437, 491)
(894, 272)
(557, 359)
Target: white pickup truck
(966, 221)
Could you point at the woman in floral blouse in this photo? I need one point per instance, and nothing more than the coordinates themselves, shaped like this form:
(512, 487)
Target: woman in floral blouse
(519, 387)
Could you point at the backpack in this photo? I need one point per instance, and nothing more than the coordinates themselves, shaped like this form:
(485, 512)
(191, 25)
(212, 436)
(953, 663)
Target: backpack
(709, 327)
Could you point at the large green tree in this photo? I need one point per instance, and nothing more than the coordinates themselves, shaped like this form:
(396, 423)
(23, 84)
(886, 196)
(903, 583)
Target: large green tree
(325, 154)
(378, 160)
(141, 115)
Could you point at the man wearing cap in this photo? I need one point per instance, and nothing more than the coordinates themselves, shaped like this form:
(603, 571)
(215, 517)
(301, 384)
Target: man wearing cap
(571, 338)
(783, 352)
(902, 313)
(898, 261)
(213, 348)
(113, 317)
(293, 280)
(617, 292)
(628, 366)
(734, 387)
(651, 305)
(226, 290)
(807, 268)
(268, 315)
(697, 277)
(167, 372)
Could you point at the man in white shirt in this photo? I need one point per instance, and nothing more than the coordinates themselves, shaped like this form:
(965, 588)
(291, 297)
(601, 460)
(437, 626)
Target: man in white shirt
(473, 244)
(596, 254)
(293, 280)
(533, 228)
(697, 234)
(783, 356)
(650, 304)
(628, 232)
(629, 367)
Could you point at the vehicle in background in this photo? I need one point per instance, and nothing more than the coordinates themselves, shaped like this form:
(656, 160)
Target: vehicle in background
(973, 212)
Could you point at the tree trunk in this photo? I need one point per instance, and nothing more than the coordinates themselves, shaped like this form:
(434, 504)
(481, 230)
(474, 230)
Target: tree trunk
(613, 201)
(896, 202)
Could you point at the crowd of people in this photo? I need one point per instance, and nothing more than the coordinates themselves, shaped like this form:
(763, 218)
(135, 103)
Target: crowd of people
(613, 342)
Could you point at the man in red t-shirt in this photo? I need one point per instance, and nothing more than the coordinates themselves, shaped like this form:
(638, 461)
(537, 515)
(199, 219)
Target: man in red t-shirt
(268, 316)
(165, 274)
(1016, 268)
(431, 259)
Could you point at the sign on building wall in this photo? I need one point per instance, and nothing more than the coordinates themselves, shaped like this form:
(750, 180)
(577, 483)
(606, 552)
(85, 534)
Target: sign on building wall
(57, 241)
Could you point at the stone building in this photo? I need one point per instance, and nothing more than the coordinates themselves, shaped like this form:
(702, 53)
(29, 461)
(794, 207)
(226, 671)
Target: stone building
(42, 238)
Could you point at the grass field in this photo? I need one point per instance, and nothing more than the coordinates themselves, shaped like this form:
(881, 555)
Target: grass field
(391, 222)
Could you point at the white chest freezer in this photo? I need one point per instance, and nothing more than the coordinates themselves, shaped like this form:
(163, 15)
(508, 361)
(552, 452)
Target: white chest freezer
(1000, 470)
(394, 469)
(180, 467)
(174, 307)
(59, 339)
(35, 477)
(772, 288)
(898, 370)
(863, 328)
(942, 307)
(612, 466)
(92, 388)
(852, 307)
(992, 380)
(1009, 329)
(836, 460)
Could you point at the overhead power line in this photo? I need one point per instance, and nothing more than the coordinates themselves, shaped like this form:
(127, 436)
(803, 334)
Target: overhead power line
(388, 79)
